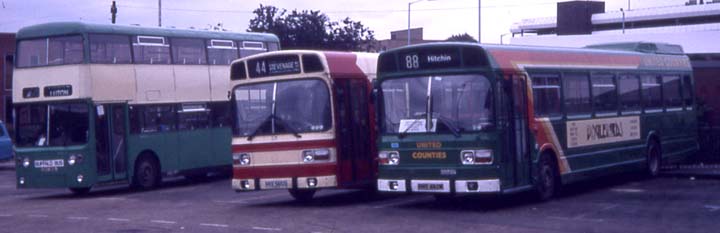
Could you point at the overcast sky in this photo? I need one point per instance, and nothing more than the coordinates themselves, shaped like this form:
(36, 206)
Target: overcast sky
(439, 18)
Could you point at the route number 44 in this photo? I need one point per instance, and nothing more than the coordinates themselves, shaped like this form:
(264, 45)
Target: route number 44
(260, 68)
(412, 62)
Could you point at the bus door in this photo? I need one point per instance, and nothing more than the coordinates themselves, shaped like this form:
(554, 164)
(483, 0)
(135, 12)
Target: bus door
(110, 139)
(514, 95)
(353, 131)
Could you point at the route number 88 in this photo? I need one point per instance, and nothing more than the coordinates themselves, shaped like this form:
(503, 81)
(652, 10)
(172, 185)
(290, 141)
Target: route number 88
(412, 62)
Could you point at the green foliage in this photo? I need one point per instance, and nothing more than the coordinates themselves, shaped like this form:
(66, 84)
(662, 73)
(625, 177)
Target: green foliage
(308, 29)
(462, 38)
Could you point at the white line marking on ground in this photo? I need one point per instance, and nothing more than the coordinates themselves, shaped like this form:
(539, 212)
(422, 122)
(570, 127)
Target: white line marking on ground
(397, 202)
(162, 222)
(5, 215)
(577, 219)
(214, 225)
(621, 190)
(264, 197)
(266, 229)
(78, 218)
(712, 208)
(231, 202)
(118, 219)
(37, 216)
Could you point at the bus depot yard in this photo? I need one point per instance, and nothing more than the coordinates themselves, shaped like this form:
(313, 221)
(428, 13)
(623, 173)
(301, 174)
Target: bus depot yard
(621, 203)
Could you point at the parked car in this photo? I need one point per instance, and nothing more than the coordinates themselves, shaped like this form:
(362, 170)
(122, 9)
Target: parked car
(6, 146)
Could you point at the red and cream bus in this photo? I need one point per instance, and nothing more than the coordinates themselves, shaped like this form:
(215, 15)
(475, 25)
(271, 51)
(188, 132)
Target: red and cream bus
(303, 120)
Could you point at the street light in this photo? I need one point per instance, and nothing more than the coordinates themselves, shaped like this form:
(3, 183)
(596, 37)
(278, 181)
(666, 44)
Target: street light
(623, 20)
(408, 28)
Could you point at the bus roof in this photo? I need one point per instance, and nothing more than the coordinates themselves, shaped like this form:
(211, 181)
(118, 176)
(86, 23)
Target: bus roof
(514, 57)
(68, 28)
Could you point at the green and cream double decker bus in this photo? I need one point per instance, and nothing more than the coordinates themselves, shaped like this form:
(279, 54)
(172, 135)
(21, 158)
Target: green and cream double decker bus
(468, 118)
(106, 104)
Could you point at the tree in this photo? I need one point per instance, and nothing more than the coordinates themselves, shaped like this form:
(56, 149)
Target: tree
(308, 29)
(462, 38)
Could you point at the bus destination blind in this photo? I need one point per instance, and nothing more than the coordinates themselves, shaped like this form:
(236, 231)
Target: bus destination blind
(276, 65)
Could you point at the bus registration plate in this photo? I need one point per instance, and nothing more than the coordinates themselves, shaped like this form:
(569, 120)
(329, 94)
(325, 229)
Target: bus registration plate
(275, 184)
(49, 163)
(433, 186)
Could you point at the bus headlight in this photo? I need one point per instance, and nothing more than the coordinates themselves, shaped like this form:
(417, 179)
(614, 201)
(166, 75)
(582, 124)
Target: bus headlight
(316, 154)
(241, 159)
(26, 162)
(389, 157)
(471, 157)
(73, 159)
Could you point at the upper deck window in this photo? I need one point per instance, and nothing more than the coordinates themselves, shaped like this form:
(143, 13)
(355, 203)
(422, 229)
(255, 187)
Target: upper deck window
(221, 52)
(188, 51)
(110, 49)
(251, 48)
(50, 51)
(151, 50)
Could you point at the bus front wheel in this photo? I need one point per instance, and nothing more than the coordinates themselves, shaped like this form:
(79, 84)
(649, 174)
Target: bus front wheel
(147, 174)
(653, 159)
(547, 179)
(303, 195)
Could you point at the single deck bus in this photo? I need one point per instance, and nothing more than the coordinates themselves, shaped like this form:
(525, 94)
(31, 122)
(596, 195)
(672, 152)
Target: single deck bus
(460, 118)
(303, 120)
(107, 104)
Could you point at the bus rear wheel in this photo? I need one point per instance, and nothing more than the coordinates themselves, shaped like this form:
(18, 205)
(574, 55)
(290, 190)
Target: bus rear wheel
(547, 179)
(302, 195)
(653, 159)
(147, 174)
(80, 191)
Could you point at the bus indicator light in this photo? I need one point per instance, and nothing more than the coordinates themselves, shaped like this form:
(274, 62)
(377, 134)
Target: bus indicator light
(393, 185)
(80, 178)
(241, 159)
(312, 182)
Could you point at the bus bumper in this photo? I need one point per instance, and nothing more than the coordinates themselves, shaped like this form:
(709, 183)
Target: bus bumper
(439, 186)
(284, 183)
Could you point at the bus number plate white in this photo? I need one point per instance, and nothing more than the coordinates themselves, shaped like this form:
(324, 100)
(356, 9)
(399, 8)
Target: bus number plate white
(431, 187)
(276, 184)
(49, 163)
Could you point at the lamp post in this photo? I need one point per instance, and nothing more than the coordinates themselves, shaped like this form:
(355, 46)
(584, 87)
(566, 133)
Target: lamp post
(408, 28)
(623, 20)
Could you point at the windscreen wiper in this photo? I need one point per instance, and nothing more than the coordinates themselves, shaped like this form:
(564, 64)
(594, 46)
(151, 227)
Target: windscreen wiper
(417, 119)
(257, 130)
(455, 131)
(287, 126)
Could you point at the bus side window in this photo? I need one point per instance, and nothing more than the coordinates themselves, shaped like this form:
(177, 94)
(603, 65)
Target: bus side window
(576, 92)
(672, 97)
(651, 92)
(629, 90)
(688, 92)
(604, 94)
(546, 95)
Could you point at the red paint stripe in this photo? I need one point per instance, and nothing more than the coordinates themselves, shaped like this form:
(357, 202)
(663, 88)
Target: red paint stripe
(286, 171)
(279, 146)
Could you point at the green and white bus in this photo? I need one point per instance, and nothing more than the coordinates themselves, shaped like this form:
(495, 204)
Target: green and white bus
(107, 104)
(468, 118)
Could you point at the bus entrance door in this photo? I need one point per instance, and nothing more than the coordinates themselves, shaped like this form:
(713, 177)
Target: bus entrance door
(354, 148)
(110, 139)
(516, 130)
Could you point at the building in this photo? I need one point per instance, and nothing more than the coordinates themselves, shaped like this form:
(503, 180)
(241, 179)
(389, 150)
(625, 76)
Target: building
(7, 59)
(399, 38)
(695, 26)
